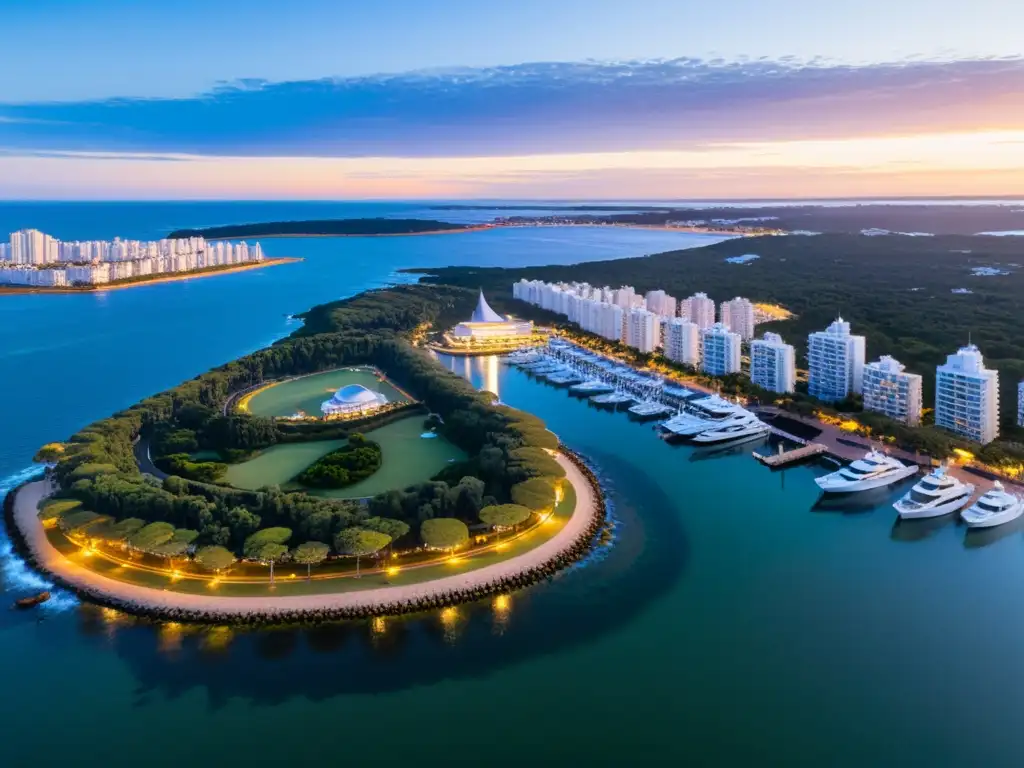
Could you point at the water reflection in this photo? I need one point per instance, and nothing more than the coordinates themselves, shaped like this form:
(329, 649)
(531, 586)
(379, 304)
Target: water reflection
(975, 538)
(921, 529)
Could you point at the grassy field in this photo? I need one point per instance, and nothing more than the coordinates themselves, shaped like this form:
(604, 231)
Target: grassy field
(306, 394)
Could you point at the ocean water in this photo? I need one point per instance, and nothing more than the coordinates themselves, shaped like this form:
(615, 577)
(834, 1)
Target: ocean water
(735, 620)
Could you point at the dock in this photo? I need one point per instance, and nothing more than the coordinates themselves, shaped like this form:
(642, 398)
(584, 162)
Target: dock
(785, 458)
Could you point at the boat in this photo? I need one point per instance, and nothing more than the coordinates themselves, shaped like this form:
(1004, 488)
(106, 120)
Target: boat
(937, 494)
(614, 399)
(704, 414)
(648, 409)
(743, 427)
(875, 470)
(994, 507)
(31, 602)
(591, 387)
(565, 377)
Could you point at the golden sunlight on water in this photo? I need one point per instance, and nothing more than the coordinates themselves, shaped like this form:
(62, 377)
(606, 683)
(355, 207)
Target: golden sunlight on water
(217, 639)
(450, 622)
(502, 606)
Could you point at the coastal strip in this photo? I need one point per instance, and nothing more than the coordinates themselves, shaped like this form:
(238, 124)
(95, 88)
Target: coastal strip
(167, 278)
(562, 550)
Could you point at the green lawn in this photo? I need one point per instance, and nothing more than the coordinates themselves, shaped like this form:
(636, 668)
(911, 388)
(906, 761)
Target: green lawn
(306, 394)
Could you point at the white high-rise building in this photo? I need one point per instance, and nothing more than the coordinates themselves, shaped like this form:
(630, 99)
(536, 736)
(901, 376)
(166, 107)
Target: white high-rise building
(660, 303)
(967, 396)
(890, 390)
(1020, 404)
(738, 316)
(835, 360)
(698, 309)
(643, 330)
(682, 341)
(625, 297)
(773, 363)
(720, 350)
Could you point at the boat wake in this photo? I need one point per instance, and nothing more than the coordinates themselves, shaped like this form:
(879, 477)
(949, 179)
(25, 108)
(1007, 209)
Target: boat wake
(16, 577)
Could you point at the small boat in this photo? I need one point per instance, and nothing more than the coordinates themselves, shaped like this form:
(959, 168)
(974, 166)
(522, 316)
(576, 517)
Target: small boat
(935, 495)
(31, 602)
(748, 427)
(993, 508)
(875, 470)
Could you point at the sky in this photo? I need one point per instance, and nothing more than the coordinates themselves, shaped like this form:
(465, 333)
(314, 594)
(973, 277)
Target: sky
(318, 99)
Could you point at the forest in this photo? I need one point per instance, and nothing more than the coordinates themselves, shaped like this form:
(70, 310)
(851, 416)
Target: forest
(897, 291)
(320, 227)
(351, 463)
(97, 466)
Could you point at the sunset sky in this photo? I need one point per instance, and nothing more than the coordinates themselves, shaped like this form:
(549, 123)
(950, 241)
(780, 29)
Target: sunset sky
(558, 99)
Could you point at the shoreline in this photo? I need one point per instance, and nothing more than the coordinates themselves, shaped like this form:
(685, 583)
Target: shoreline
(14, 290)
(565, 548)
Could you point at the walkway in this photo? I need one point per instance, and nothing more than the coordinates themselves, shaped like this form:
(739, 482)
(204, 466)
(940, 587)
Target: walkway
(49, 560)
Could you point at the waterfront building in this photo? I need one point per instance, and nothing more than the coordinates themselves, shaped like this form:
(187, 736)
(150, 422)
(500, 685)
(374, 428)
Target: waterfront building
(773, 363)
(967, 396)
(602, 318)
(488, 327)
(1020, 404)
(738, 316)
(835, 362)
(625, 297)
(660, 303)
(352, 400)
(890, 390)
(643, 330)
(698, 309)
(720, 350)
(682, 341)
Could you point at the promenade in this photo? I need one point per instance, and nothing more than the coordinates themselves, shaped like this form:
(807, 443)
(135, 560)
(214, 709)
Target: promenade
(150, 600)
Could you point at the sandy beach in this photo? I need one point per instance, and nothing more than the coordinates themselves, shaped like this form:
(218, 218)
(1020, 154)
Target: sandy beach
(50, 561)
(21, 289)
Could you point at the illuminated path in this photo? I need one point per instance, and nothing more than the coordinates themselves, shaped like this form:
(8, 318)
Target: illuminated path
(51, 561)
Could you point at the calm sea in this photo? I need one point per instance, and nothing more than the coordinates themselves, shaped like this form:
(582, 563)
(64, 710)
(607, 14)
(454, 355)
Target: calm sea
(735, 620)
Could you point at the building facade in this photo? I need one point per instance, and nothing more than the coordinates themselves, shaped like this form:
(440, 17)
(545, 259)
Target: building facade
(720, 350)
(660, 303)
(890, 390)
(738, 316)
(773, 363)
(698, 309)
(967, 396)
(643, 330)
(682, 341)
(835, 362)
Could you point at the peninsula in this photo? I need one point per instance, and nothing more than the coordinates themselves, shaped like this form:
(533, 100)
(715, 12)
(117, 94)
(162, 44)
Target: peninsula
(327, 228)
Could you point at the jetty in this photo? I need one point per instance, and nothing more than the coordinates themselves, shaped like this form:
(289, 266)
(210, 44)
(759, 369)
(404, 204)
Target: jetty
(792, 456)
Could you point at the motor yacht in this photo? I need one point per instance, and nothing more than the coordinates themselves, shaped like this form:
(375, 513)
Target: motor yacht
(875, 470)
(704, 414)
(744, 426)
(937, 494)
(591, 387)
(995, 507)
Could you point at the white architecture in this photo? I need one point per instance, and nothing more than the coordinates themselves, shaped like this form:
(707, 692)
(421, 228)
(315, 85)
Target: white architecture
(1020, 404)
(352, 400)
(967, 396)
(835, 362)
(487, 327)
(660, 303)
(773, 363)
(698, 309)
(890, 390)
(643, 330)
(738, 316)
(720, 350)
(625, 297)
(682, 341)
(94, 262)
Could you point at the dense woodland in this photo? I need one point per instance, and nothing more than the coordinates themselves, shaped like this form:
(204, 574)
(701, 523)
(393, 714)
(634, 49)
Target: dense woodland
(895, 290)
(320, 227)
(98, 468)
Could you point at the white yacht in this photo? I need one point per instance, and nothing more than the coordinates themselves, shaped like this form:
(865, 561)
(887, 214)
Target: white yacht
(746, 426)
(993, 508)
(704, 414)
(591, 387)
(937, 494)
(875, 470)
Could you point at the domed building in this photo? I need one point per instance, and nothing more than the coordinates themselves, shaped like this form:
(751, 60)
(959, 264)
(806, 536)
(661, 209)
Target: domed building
(351, 400)
(486, 327)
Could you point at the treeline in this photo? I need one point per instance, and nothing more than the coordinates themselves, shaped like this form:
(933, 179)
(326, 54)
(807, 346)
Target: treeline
(376, 226)
(98, 467)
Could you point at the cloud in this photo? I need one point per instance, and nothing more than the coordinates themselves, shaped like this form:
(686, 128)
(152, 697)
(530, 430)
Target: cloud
(538, 108)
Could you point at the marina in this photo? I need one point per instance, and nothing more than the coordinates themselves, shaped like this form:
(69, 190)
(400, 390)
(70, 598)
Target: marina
(785, 458)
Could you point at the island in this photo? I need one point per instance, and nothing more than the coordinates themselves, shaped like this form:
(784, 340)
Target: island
(328, 228)
(341, 472)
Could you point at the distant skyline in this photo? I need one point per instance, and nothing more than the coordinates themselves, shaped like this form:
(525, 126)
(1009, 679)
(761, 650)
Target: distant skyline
(655, 99)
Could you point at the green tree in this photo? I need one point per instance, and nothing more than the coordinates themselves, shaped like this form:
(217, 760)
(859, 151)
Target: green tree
(267, 546)
(214, 558)
(537, 493)
(358, 542)
(500, 516)
(310, 553)
(444, 533)
(153, 535)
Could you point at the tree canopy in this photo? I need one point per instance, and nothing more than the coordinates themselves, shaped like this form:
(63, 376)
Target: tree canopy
(360, 541)
(267, 545)
(536, 493)
(505, 515)
(444, 533)
(214, 558)
(310, 552)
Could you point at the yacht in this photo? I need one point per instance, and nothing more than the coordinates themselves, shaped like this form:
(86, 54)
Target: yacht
(613, 398)
(993, 508)
(704, 414)
(875, 470)
(935, 495)
(648, 408)
(745, 426)
(591, 387)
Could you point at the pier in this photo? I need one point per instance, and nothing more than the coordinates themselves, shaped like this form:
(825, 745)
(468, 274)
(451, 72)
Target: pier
(785, 458)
